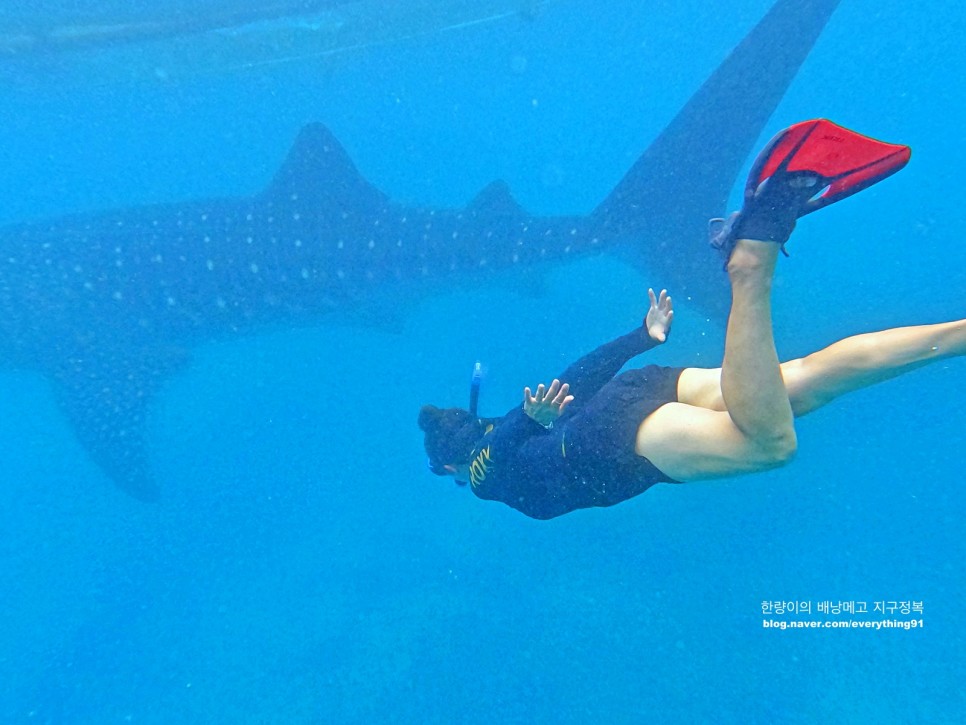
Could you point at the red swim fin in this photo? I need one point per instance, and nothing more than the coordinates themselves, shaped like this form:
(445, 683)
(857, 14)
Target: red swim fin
(804, 168)
(845, 161)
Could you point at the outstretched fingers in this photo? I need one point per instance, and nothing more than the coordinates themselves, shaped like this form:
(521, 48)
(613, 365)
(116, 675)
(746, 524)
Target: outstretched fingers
(660, 315)
(563, 398)
(547, 403)
(663, 302)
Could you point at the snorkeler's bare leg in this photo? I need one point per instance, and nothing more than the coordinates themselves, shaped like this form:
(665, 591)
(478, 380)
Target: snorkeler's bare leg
(751, 380)
(754, 431)
(850, 364)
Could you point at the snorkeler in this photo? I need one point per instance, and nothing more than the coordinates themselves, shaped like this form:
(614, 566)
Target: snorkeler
(594, 437)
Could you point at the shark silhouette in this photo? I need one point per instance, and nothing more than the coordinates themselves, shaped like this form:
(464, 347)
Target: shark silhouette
(107, 305)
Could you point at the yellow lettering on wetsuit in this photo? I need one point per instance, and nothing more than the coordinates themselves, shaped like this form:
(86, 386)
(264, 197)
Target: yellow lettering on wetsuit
(479, 466)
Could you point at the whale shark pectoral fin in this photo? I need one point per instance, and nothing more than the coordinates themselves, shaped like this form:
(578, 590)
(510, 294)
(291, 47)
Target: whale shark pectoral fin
(106, 398)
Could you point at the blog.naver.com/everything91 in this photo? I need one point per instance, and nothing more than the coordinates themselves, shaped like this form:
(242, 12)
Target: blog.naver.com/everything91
(842, 614)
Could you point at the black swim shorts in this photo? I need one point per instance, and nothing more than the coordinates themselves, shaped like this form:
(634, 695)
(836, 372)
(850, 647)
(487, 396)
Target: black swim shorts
(599, 440)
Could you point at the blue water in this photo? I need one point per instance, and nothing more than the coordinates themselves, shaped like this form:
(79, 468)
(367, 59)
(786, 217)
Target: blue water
(303, 566)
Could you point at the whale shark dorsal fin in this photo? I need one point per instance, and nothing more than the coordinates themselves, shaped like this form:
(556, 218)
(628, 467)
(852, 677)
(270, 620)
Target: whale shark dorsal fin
(496, 200)
(318, 170)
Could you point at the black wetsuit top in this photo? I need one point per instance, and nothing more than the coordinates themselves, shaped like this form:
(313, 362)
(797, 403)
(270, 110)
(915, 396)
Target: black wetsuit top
(588, 457)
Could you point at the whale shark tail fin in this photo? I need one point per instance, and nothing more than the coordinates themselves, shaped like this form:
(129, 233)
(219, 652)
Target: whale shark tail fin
(663, 202)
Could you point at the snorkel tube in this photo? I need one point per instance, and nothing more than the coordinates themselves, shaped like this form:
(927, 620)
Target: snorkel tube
(475, 381)
(452, 433)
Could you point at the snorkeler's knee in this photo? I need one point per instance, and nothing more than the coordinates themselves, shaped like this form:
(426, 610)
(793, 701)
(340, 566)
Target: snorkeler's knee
(776, 450)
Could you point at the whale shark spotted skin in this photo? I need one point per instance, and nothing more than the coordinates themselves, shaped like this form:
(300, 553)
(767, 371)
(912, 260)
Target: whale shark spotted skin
(108, 305)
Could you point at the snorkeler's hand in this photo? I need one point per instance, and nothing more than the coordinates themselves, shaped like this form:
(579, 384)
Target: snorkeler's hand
(547, 404)
(659, 317)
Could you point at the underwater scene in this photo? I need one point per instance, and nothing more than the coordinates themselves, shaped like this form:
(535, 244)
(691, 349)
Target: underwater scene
(244, 242)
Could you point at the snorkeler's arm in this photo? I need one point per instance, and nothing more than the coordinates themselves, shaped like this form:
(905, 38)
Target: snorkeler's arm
(512, 430)
(594, 370)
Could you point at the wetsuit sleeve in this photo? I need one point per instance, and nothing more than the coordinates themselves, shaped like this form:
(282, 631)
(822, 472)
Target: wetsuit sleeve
(594, 370)
(512, 430)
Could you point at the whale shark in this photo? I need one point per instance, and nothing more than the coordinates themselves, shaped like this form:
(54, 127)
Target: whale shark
(108, 305)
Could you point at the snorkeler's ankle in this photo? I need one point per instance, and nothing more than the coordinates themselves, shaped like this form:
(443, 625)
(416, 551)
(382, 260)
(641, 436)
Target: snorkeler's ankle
(752, 258)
